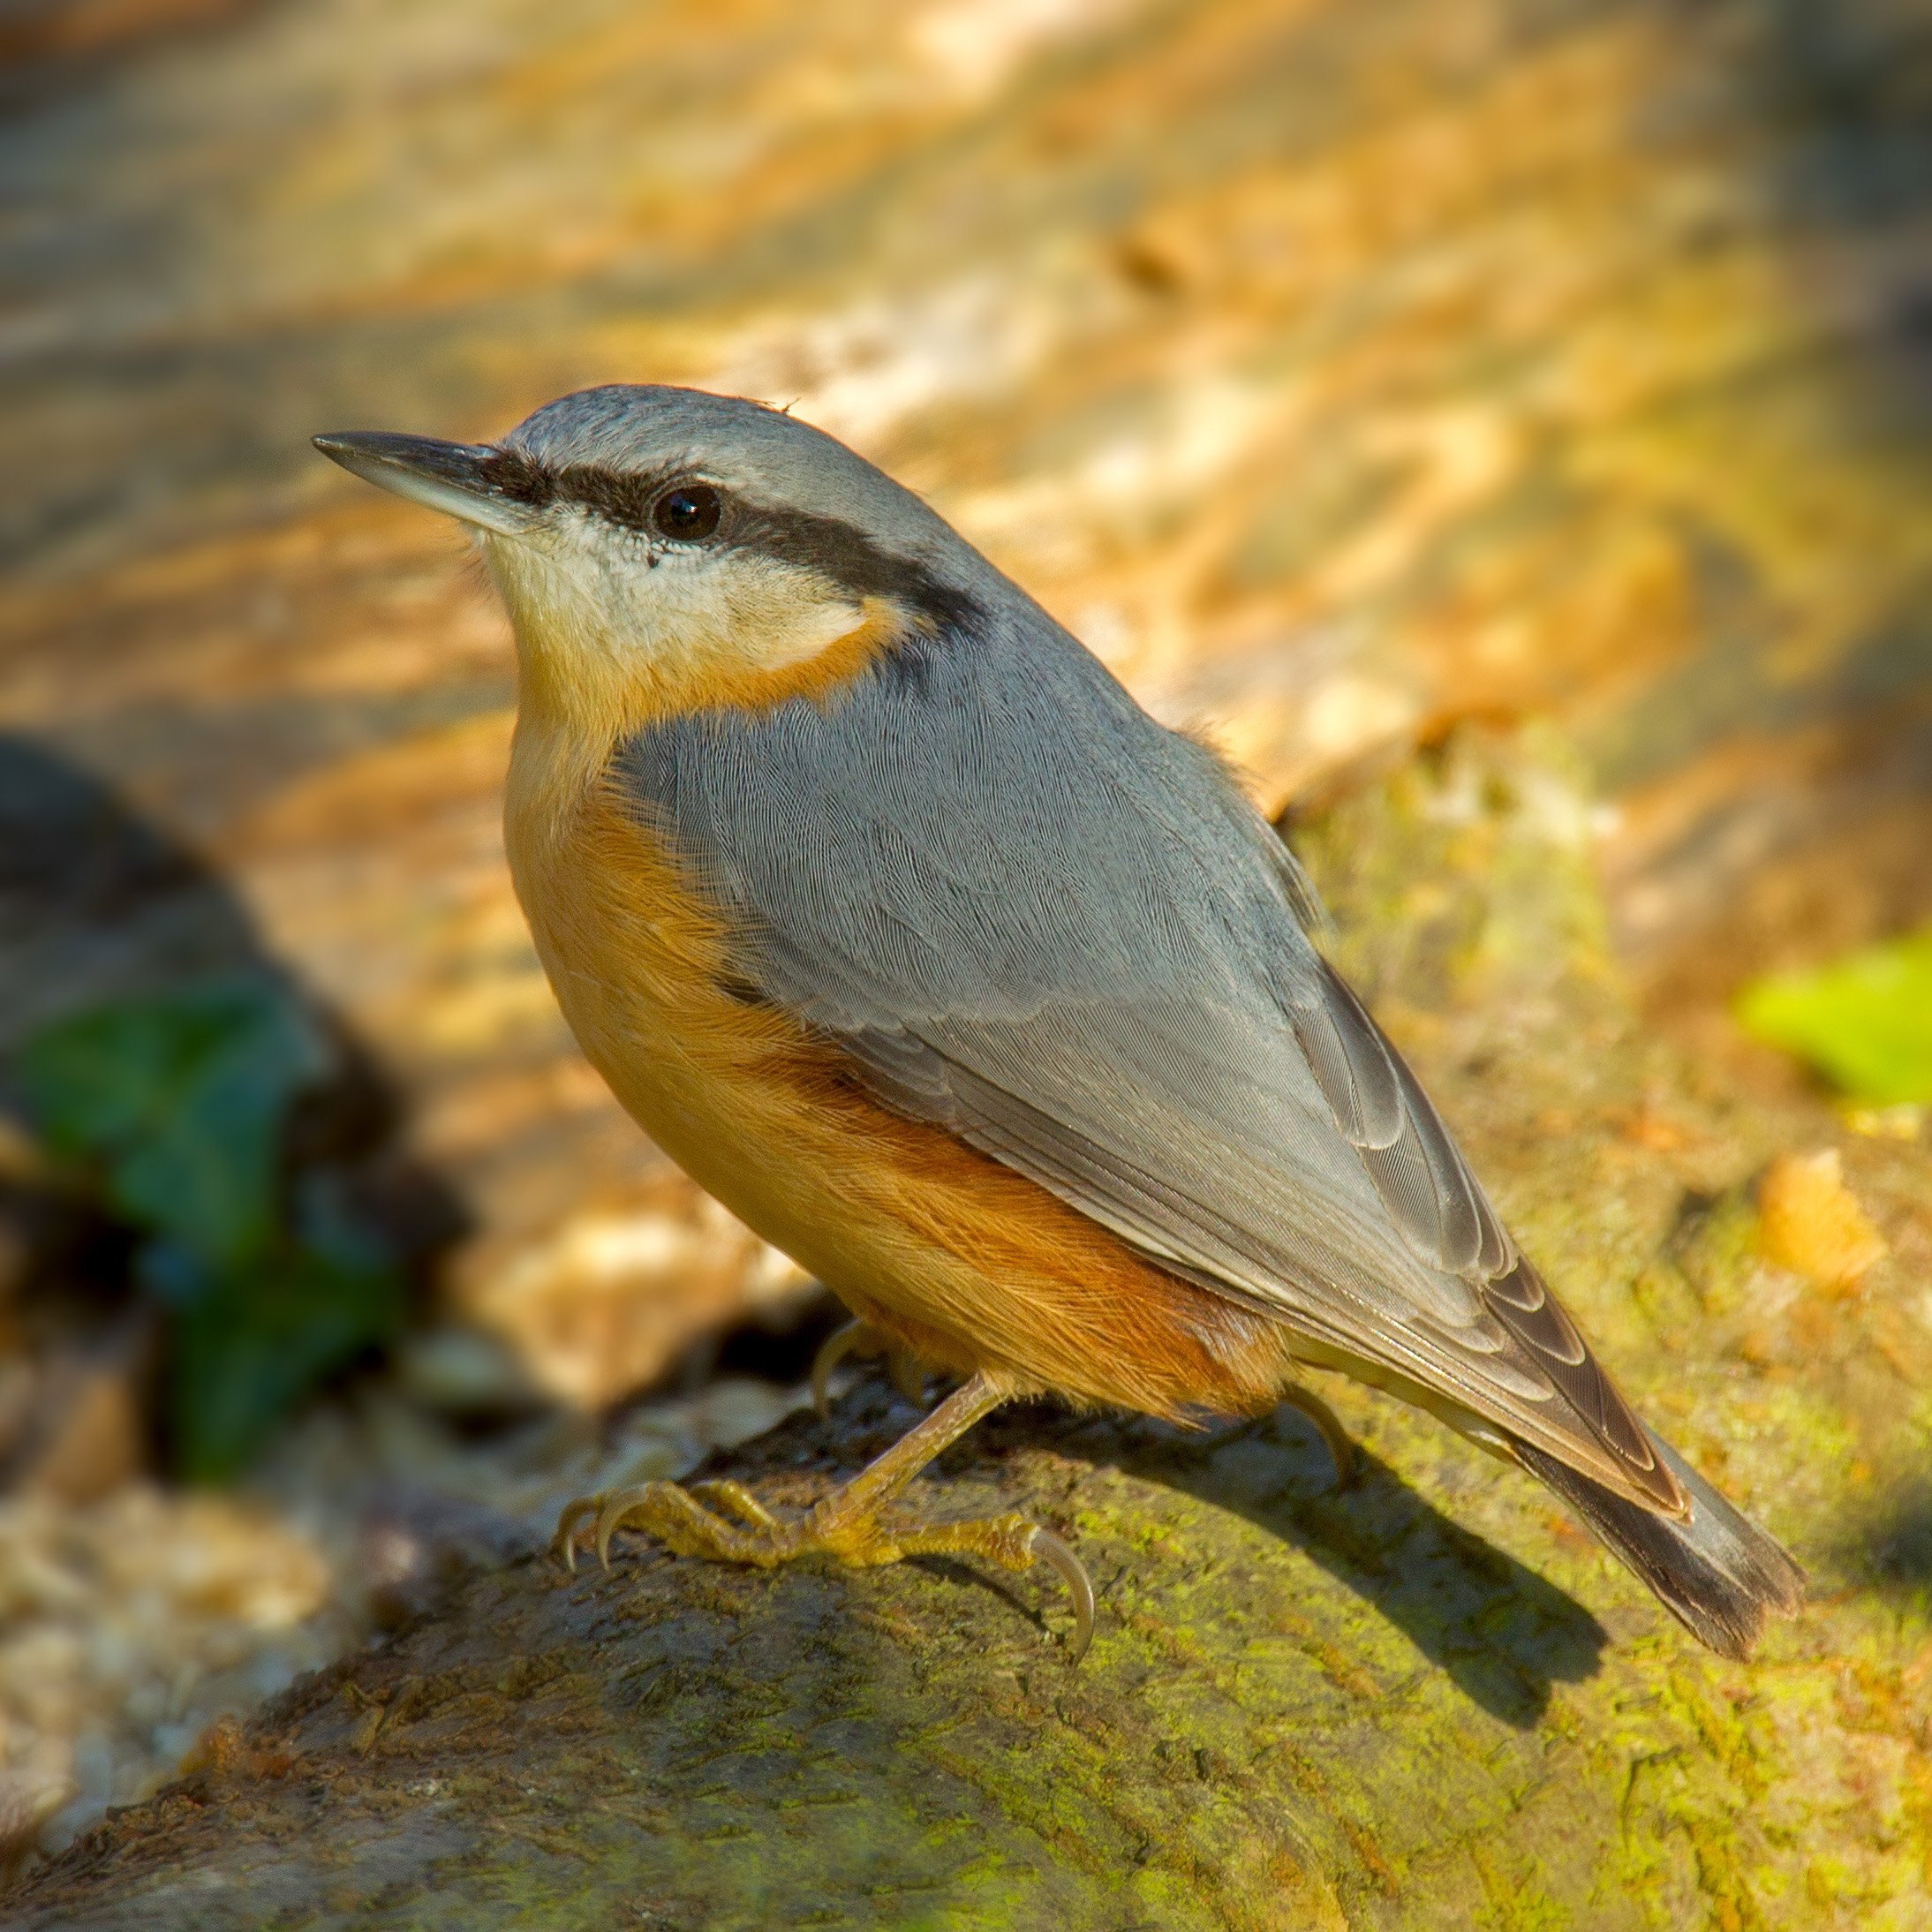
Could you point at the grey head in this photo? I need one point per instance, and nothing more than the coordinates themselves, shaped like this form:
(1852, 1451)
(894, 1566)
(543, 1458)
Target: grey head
(703, 535)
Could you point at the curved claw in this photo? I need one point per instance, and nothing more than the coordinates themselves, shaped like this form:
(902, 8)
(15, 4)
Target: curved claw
(907, 1376)
(856, 1336)
(563, 1542)
(1048, 1547)
(611, 1511)
(1341, 1448)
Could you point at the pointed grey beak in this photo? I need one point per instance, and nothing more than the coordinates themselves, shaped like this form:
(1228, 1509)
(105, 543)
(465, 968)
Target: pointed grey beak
(463, 480)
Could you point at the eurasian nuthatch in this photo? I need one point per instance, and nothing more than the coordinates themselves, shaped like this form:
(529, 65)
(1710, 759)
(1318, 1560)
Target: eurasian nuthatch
(889, 914)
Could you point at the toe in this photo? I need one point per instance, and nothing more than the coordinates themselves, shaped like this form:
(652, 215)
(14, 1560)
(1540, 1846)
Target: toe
(1341, 1448)
(574, 1514)
(721, 1493)
(855, 1338)
(615, 1510)
(908, 1377)
(1050, 1550)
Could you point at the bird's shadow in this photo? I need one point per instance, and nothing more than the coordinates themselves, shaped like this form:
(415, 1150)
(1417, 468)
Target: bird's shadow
(1889, 1551)
(1502, 1632)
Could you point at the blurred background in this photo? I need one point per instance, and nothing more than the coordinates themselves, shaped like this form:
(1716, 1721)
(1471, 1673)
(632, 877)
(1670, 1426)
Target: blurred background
(1340, 370)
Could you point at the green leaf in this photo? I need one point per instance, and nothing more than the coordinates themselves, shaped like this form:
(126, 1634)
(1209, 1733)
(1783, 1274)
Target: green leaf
(1865, 1021)
(249, 1344)
(179, 1100)
(179, 1103)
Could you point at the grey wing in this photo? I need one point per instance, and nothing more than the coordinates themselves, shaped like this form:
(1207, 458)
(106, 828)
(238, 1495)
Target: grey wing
(1192, 1138)
(1035, 918)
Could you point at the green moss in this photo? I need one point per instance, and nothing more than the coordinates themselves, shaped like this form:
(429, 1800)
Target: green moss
(1420, 1703)
(1515, 1899)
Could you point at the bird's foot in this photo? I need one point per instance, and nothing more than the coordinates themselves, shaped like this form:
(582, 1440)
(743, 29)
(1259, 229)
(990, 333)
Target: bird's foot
(907, 1374)
(855, 1525)
(724, 1521)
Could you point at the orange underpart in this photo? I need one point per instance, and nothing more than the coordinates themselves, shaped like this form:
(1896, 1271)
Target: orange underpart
(960, 1259)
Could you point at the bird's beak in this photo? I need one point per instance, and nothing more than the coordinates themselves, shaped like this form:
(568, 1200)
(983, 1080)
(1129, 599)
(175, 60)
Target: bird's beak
(455, 478)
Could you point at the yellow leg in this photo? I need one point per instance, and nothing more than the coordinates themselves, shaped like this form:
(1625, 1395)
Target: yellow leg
(855, 1524)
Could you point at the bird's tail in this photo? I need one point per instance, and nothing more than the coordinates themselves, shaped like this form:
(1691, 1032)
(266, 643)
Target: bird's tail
(1717, 1572)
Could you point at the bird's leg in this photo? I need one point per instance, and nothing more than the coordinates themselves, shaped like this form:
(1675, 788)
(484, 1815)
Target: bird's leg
(856, 1524)
(1341, 1449)
(862, 1338)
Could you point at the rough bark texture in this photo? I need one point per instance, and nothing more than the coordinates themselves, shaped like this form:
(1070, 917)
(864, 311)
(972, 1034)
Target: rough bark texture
(1338, 368)
(1425, 1701)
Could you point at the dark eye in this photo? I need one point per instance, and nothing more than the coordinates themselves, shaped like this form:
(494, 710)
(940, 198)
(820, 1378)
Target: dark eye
(690, 511)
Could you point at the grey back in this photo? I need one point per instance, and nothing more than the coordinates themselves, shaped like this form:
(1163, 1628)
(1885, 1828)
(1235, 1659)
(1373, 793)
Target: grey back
(1028, 914)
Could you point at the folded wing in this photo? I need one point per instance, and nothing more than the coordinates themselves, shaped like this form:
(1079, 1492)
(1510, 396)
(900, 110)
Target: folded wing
(1028, 915)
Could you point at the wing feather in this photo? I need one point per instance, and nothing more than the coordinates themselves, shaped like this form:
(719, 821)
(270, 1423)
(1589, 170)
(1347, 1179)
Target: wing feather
(1028, 915)
(1512, 1356)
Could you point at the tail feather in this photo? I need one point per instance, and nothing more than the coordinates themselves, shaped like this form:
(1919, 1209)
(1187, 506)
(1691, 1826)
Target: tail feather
(1715, 1571)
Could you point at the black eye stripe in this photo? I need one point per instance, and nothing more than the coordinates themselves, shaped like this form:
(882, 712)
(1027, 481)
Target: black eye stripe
(629, 501)
(850, 558)
(514, 475)
(625, 500)
(835, 549)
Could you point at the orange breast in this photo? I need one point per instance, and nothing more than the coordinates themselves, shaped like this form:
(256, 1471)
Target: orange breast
(966, 1262)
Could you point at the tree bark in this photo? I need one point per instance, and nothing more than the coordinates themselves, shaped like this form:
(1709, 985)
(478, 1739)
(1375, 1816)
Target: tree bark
(1424, 1699)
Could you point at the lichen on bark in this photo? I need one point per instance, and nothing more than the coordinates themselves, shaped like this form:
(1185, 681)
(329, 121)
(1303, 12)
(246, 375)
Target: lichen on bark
(1422, 1701)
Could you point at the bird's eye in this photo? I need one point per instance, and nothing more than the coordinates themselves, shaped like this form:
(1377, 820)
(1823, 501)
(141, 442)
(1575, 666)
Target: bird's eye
(690, 511)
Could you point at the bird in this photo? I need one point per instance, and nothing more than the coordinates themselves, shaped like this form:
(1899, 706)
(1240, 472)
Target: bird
(885, 909)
